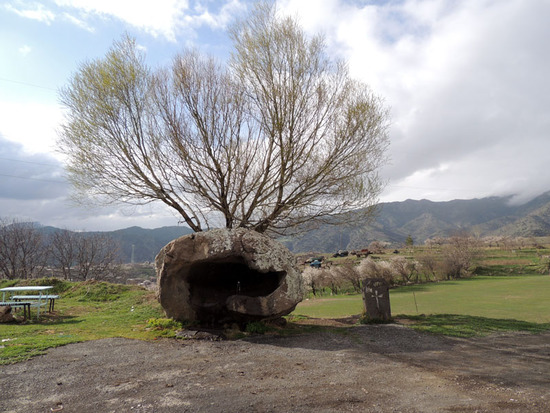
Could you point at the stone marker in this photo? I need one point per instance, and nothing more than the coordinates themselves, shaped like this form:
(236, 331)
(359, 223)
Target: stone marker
(376, 299)
(223, 276)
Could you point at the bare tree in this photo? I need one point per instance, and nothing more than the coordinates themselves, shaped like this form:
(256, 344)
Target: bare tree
(8, 251)
(404, 268)
(63, 251)
(428, 264)
(377, 247)
(370, 268)
(311, 278)
(279, 137)
(22, 250)
(350, 273)
(331, 279)
(459, 254)
(97, 256)
(83, 256)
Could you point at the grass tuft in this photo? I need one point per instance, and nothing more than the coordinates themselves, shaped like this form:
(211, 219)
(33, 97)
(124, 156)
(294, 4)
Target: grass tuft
(98, 291)
(456, 325)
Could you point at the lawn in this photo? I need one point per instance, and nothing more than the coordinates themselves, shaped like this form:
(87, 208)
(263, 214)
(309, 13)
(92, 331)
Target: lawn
(86, 311)
(93, 310)
(523, 298)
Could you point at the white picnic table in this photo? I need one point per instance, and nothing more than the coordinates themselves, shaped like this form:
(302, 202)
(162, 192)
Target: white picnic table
(37, 300)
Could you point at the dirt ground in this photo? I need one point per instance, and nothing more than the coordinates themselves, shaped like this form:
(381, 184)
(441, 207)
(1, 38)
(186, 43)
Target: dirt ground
(368, 368)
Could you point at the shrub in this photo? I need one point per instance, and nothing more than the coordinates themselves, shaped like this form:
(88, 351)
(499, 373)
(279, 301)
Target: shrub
(377, 247)
(166, 327)
(311, 280)
(330, 278)
(459, 255)
(368, 268)
(428, 265)
(256, 327)
(350, 273)
(404, 268)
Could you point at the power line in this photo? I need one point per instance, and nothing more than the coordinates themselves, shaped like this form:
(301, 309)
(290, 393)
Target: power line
(31, 162)
(27, 84)
(34, 179)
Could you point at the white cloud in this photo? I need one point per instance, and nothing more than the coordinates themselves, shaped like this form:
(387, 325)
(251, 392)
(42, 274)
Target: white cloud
(26, 176)
(164, 18)
(31, 124)
(467, 86)
(78, 22)
(159, 18)
(34, 11)
(215, 20)
(25, 50)
(33, 188)
(62, 213)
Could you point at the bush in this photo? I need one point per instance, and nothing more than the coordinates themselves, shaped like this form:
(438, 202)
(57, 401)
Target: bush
(428, 265)
(256, 327)
(350, 273)
(166, 327)
(163, 323)
(404, 269)
(369, 268)
(459, 255)
(311, 280)
(334, 280)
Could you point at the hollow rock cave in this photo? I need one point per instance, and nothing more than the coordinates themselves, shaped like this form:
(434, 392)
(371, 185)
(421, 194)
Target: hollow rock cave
(223, 276)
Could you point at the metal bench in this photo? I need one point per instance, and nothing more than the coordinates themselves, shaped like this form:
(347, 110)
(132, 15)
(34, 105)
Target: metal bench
(50, 299)
(26, 305)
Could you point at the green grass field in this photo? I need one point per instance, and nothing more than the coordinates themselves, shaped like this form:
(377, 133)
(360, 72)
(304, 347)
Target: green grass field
(462, 308)
(524, 298)
(468, 307)
(86, 311)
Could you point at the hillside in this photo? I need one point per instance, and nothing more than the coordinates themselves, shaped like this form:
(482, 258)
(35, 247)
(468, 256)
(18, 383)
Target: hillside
(393, 223)
(144, 243)
(426, 219)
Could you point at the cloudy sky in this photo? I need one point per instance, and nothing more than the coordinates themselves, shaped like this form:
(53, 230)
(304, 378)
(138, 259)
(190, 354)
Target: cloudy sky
(466, 81)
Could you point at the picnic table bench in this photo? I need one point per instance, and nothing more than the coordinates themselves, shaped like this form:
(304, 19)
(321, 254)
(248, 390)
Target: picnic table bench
(28, 301)
(26, 305)
(36, 299)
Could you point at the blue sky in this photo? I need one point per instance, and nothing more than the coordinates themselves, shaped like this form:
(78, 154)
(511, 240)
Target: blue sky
(466, 82)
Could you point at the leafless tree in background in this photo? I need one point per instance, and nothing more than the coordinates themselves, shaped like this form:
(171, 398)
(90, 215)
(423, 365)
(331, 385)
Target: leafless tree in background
(459, 254)
(97, 256)
(23, 253)
(350, 273)
(63, 251)
(278, 137)
(81, 256)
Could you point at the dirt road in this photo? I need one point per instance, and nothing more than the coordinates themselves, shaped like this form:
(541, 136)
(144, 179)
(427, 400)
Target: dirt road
(384, 368)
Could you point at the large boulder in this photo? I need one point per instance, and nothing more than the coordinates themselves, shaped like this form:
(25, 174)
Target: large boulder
(222, 276)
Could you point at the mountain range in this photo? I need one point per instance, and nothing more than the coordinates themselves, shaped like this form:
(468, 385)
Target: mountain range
(393, 223)
(424, 219)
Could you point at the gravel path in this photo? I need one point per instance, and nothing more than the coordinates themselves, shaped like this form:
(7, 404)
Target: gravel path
(384, 368)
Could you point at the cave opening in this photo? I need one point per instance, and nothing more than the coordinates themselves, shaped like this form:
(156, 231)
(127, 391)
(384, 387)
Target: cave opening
(211, 282)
